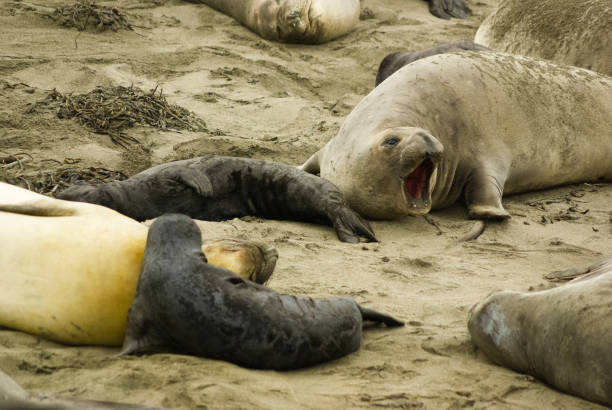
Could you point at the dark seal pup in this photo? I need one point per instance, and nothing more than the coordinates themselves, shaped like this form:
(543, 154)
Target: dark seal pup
(560, 335)
(216, 188)
(185, 305)
(394, 61)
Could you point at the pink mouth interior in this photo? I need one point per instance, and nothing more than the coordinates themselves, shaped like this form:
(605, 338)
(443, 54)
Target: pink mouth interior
(415, 182)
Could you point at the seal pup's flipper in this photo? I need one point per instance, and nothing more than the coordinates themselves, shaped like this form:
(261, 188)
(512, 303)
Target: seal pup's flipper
(375, 316)
(195, 180)
(445, 9)
(350, 226)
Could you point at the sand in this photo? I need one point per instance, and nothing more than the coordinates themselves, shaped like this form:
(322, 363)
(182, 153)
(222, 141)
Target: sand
(283, 102)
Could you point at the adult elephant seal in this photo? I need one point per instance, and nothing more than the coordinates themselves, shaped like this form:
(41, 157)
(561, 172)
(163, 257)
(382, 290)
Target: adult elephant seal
(217, 188)
(311, 21)
(394, 61)
(13, 397)
(561, 335)
(68, 270)
(293, 21)
(574, 32)
(183, 304)
(472, 125)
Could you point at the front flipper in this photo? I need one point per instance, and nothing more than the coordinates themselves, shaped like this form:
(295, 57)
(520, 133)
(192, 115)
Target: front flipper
(350, 226)
(375, 316)
(445, 9)
(195, 180)
(312, 165)
(484, 190)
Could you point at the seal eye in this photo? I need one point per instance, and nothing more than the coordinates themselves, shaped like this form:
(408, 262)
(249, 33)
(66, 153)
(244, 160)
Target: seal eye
(390, 142)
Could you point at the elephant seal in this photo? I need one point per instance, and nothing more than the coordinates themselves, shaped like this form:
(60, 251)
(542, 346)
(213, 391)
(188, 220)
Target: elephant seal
(215, 188)
(311, 21)
(293, 21)
(394, 61)
(183, 304)
(574, 32)
(13, 397)
(469, 124)
(561, 335)
(68, 270)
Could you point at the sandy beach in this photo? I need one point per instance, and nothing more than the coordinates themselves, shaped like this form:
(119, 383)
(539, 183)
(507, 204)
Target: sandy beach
(283, 102)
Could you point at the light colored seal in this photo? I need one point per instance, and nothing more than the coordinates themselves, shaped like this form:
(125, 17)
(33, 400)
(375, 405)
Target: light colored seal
(394, 61)
(311, 21)
(13, 397)
(474, 125)
(574, 32)
(294, 21)
(561, 335)
(68, 270)
(183, 304)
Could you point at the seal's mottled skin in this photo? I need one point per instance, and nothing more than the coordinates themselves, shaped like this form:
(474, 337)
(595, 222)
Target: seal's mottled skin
(561, 335)
(471, 125)
(184, 304)
(574, 32)
(217, 188)
(294, 21)
(68, 270)
(394, 61)
(311, 21)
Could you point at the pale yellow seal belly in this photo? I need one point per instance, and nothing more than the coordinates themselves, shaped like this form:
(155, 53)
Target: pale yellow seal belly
(68, 270)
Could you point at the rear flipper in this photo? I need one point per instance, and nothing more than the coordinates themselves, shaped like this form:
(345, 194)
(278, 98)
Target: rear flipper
(17, 200)
(445, 9)
(350, 226)
(375, 316)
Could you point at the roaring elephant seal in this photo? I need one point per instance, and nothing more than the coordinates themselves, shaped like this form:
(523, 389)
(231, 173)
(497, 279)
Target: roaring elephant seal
(394, 61)
(215, 188)
(574, 32)
(68, 270)
(185, 305)
(13, 397)
(473, 125)
(561, 335)
(311, 21)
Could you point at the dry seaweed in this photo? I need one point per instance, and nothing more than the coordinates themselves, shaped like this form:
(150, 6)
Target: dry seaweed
(111, 110)
(85, 13)
(40, 178)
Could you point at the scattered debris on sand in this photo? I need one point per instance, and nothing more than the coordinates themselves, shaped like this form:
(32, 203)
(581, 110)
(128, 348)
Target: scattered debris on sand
(50, 176)
(111, 110)
(86, 14)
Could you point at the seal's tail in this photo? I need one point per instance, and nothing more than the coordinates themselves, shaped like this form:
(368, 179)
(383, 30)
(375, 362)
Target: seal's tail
(375, 316)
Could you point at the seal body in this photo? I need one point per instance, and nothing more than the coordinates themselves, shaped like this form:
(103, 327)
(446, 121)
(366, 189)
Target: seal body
(471, 125)
(394, 61)
(574, 32)
(294, 21)
(13, 397)
(183, 304)
(217, 188)
(561, 335)
(68, 270)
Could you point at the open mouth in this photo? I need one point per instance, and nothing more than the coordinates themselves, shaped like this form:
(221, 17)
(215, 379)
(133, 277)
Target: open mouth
(417, 187)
